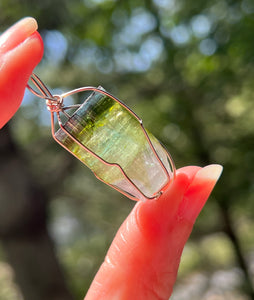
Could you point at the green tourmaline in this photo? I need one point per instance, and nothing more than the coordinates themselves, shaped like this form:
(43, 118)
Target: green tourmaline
(108, 129)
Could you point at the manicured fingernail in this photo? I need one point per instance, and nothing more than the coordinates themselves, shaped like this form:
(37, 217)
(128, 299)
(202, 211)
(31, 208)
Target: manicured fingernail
(17, 34)
(211, 172)
(28, 25)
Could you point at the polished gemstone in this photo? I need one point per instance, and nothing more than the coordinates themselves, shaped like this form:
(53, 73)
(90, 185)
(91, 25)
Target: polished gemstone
(113, 133)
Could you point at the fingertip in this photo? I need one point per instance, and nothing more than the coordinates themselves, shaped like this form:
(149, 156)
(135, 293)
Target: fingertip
(16, 68)
(154, 216)
(189, 171)
(198, 191)
(17, 33)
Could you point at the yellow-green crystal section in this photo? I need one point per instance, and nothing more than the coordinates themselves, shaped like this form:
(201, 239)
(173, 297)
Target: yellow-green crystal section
(114, 134)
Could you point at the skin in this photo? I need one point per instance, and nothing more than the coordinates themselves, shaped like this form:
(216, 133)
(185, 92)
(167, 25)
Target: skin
(21, 49)
(144, 257)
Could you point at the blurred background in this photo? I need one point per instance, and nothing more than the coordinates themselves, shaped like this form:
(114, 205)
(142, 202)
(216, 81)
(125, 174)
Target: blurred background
(187, 69)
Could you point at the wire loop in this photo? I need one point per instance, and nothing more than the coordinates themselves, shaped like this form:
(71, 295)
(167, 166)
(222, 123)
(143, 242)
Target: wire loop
(55, 104)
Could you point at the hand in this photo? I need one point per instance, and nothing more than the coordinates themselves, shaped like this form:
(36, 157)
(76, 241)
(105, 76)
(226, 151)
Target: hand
(143, 260)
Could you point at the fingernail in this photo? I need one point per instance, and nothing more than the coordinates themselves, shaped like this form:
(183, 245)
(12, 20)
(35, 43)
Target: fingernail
(211, 172)
(28, 25)
(16, 34)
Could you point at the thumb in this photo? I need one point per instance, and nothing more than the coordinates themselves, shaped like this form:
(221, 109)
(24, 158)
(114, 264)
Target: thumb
(143, 260)
(21, 49)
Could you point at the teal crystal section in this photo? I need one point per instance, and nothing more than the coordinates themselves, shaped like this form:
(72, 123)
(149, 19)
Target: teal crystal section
(113, 133)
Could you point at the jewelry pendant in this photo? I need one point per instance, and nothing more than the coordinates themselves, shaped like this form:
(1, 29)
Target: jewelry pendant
(109, 138)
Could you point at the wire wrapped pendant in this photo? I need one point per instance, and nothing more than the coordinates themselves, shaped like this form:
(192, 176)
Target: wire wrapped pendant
(111, 140)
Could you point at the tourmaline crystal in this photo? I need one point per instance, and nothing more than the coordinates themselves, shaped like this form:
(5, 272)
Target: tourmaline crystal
(109, 130)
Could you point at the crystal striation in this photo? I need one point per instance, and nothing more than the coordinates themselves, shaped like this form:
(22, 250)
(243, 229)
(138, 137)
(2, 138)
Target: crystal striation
(114, 134)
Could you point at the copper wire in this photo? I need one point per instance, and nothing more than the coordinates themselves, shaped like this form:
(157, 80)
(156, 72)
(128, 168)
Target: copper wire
(55, 104)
